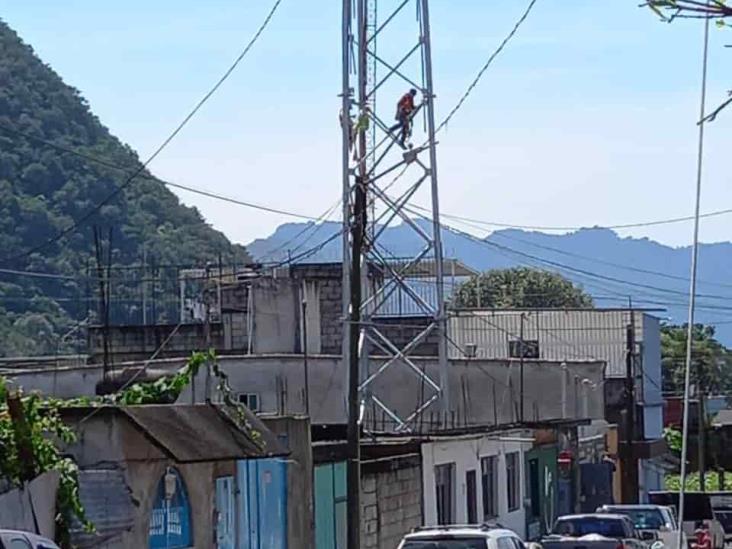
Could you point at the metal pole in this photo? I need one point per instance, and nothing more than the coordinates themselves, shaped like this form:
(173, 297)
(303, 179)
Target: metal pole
(429, 96)
(352, 235)
(305, 351)
(692, 283)
(630, 464)
(521, 368)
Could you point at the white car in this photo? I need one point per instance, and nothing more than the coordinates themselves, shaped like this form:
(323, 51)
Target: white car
(462, 537)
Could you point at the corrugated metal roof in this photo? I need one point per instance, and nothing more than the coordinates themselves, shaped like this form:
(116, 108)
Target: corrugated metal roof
(203, 432)
(193, 433)
(400, 302)
(591, 334)
(107, 501)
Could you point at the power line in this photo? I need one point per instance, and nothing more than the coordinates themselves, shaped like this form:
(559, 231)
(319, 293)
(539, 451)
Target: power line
(557, 264)
(487, 64)
(160, 148)
(609, 263)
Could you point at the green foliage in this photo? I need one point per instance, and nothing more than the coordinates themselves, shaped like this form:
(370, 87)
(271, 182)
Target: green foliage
(43, 431)
(711, 482)
(520, 287)
(43, 190)
(711, 361)
(673, 439)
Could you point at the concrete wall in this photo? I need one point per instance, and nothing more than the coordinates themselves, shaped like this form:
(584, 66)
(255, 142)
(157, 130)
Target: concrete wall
(17, 507)
(482, 391)
(466, 453)
(391, 500)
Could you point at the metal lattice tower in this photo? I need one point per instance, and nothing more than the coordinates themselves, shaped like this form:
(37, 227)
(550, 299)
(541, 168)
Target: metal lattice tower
(380, 180)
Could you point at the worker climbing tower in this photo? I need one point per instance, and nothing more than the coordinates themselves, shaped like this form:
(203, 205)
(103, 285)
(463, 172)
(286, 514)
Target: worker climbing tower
(382, 181)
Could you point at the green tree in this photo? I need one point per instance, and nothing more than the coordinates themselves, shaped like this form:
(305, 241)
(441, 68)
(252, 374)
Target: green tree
(521, 287)
(711, 363)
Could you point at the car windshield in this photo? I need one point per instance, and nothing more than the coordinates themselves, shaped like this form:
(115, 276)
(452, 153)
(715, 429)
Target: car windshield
(643, 519)
(577, 527)
(446, 543)
(724, 516)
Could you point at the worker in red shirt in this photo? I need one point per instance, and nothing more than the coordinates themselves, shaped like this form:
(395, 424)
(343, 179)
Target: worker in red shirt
(703, 539)
(404, 112)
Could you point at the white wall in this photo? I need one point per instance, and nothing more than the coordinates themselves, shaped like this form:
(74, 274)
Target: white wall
(466, 453)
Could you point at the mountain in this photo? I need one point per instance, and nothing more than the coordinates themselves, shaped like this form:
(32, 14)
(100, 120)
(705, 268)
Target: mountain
(611, 268)
(44, 190)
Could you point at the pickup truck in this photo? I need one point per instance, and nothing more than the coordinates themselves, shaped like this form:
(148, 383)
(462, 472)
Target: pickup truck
(657, 519)
(596, 531)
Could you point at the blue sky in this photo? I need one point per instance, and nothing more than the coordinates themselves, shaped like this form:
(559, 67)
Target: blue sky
(588, 117)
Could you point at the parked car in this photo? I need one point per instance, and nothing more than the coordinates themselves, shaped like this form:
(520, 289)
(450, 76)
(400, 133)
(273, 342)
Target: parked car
(697, 508)
(658, 519)
(464, 537)
(13, 539)
(597, 531)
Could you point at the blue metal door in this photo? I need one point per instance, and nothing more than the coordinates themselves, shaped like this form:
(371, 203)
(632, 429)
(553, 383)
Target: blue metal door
(225, 513)
(263, 504)
(330, 506)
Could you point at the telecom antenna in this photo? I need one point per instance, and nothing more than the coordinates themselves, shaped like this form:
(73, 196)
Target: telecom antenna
(381, 178)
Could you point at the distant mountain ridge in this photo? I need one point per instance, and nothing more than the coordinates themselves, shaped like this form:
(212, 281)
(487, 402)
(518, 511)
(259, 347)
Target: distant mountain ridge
(615, 270)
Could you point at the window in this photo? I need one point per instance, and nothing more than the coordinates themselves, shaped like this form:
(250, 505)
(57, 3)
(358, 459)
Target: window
(578, 527)
(250, 400)
(505, 542)
(445, 492)
(513, 480)
(530, 348)
(489, 482)
(18, 543)
(470, 492)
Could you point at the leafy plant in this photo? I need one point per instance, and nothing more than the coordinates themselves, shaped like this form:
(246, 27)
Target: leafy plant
(673, 439)
(30, 447)
(711, 482)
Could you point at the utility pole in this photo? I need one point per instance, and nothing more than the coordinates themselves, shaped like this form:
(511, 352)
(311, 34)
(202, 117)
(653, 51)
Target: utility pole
(304, 313)
(522, 348)
(629, 464)
(701, 423)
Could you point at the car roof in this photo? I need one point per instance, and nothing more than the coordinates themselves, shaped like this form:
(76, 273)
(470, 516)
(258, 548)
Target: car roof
(460, 530)
(594, 515)
(633, 506)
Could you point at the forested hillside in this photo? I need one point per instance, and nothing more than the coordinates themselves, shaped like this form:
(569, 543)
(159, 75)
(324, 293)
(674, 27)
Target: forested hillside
(44, 190)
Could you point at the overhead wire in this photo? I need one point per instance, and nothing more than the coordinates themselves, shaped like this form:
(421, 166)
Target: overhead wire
(486, 65)
(61, 234)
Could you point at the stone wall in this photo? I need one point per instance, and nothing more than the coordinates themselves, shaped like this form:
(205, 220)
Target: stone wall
(391, 500)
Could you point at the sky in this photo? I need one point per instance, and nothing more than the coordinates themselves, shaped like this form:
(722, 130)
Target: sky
(587, 118)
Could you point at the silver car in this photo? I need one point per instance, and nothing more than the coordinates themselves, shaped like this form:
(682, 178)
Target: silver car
(14, 539)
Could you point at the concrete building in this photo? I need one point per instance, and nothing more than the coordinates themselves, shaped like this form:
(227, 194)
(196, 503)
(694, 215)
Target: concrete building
(584, 334)
(145, 481)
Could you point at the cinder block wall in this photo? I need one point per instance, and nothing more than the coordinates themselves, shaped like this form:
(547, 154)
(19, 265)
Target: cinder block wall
(391, 500)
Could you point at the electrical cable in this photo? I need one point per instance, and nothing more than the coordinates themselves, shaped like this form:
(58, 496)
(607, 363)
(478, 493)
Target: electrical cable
(157, 151)
(487, 64)
(115, 166)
